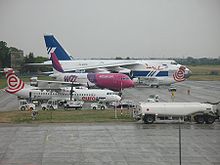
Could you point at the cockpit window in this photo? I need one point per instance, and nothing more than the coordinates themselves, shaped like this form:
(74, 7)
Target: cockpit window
(164, 64)
(173, 63)
(124, 78)
(112, 93)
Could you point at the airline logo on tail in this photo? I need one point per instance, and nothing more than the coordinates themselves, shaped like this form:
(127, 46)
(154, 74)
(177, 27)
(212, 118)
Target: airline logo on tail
(51, 50)
(52, 43)
(14, 83)
(179, 75)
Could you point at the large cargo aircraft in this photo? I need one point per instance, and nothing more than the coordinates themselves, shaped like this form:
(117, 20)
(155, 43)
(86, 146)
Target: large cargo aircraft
(162, 71)
(148, 72)
(18, 87)
(135, 68)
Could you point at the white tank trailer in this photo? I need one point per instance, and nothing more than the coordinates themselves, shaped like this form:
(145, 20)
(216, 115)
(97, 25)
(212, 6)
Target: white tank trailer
(199, 112)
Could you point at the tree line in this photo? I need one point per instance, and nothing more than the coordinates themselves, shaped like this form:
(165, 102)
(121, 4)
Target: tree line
(198, 61)
(5, 59)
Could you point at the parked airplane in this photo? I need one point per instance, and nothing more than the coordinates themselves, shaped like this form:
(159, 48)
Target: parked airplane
(113, 65)
(112, 81)
(167, 77)
(18, 87)
(134, 68)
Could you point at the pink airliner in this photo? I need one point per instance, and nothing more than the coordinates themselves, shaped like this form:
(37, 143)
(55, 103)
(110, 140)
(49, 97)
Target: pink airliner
(112, 81)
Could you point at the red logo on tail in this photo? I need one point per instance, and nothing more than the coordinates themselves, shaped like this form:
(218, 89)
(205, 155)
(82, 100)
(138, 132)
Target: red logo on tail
(179, 74)
(14, 83)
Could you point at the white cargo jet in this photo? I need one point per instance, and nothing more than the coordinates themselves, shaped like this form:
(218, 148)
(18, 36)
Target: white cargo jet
(134, 68)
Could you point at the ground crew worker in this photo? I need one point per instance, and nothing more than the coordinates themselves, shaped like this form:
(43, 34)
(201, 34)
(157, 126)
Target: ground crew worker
(172, 95)
(34, 114)
(188, 91)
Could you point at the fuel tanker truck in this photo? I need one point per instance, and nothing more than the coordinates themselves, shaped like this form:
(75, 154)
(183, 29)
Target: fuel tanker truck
(191, 111)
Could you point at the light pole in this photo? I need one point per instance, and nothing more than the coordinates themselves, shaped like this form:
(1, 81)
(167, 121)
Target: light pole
(180, 142)
(115, 111)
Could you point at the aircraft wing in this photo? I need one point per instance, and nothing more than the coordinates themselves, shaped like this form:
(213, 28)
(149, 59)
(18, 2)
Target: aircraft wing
(111, 67)
(47, 63)
(60, 82)
(91, 67)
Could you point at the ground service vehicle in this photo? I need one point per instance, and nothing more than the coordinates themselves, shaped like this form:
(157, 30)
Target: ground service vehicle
(123, 104)
(73, 104)
(98, 106)
(199, 112)
(153, 98)
(51, 104)
(172, 89)
(24, 105)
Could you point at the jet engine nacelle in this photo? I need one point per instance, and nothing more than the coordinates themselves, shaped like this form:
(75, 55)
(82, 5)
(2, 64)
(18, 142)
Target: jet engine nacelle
(102, 70)
(126, 71)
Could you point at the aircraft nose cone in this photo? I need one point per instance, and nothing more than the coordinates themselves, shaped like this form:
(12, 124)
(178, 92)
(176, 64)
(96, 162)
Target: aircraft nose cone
(118, 98)
(127, 84)
(131, 84)
(188, 73)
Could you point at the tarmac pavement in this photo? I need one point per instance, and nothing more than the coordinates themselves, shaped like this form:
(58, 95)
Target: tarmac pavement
(109, 143)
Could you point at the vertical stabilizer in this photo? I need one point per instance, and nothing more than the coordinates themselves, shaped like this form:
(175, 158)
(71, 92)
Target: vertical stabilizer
(56, 64)
(53, 46)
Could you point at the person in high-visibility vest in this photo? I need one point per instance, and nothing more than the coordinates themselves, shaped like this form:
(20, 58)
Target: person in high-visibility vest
(173, 94)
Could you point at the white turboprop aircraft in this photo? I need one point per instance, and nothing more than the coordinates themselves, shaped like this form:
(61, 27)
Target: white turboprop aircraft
(134, 68)
(18, 87)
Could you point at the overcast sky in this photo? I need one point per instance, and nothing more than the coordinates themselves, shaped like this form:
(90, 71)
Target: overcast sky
(114, 28)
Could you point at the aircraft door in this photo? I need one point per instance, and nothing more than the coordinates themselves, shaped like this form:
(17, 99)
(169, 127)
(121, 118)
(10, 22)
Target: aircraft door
(91, 77)
(30, 96)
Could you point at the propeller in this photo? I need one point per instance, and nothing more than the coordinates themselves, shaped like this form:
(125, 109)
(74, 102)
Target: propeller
(71, 92)
(88, 85)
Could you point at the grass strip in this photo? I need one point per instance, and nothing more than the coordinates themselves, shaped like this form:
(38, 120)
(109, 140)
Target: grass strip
(70, 116)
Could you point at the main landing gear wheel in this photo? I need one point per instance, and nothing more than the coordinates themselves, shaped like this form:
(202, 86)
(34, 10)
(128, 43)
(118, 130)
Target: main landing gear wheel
(149, 119)
(209, 119)
(199, 119)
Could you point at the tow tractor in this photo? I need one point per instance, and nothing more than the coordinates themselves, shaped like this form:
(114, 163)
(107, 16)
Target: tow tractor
(51, 104)
(98, 105)
(24, 105)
